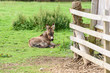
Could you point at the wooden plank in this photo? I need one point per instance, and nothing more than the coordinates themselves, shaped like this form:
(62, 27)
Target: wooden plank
(99, 27)
(91, 45)
(86, 25)
(90, 16)
(76, 56)
(78, 21)
(82, 47)
(90, 32)
(106, 43)
(86, 10)
(94, 10)
(89, 57)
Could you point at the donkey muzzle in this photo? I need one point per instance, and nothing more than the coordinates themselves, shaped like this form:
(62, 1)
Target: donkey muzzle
(52, 39)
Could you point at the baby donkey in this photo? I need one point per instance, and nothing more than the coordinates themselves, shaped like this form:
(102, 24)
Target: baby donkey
(44, 40)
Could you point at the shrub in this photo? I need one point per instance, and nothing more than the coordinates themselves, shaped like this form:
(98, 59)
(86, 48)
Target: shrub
(42, 18)
(23, 23)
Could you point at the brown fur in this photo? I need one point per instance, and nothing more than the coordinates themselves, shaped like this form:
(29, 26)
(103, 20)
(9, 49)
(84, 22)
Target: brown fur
(44, 40)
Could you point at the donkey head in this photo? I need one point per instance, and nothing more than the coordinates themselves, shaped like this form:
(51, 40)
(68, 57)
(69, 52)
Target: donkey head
(50, 32)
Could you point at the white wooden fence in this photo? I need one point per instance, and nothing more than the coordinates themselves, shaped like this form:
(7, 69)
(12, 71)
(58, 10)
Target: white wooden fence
(105, 36)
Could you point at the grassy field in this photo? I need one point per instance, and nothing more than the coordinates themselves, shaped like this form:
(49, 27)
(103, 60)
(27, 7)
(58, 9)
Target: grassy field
(14, 44)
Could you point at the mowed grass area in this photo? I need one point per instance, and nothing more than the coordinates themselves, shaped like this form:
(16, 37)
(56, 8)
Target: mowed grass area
(14, 44)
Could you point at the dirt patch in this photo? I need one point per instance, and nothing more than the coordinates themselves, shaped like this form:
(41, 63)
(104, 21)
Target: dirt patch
(57, 65)
(8, 66)
(65, 65)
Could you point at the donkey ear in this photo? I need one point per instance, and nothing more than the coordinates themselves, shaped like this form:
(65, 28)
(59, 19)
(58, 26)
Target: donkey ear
(47, 26)
(53, 26)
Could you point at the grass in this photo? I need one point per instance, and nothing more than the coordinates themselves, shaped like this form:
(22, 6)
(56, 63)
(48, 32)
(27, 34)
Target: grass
(14, 44)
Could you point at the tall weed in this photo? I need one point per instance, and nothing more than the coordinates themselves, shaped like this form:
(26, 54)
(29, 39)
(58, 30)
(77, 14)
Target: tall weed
(43, 17)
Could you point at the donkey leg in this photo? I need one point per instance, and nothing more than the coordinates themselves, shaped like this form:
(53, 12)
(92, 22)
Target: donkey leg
(43, 45)
(40, 45)
(51, 45)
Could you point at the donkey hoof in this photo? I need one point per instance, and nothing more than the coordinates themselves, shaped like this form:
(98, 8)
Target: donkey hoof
(52, 47)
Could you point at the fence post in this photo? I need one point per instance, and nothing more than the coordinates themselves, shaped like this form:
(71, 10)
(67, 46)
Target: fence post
(94, 10)
(76, 45)
(106, 43)
(78, 21)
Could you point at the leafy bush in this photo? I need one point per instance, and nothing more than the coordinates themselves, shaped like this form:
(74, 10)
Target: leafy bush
(42, 18)
(23, 23)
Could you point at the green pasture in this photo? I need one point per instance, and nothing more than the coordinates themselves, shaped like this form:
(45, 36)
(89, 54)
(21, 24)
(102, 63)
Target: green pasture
(14, 44)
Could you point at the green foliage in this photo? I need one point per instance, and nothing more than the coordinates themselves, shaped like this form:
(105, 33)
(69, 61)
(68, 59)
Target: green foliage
(47, 17)
(5, 55)
(15, 43)
(43, 17)
(23, 23)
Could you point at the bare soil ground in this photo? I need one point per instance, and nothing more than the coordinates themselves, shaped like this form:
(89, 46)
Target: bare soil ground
(60, 65)
(65, 65)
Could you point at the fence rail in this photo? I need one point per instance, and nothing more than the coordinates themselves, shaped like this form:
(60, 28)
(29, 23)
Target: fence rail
(90, 32)
(90, 45)
(105, 51)
(89, 57)
(90, 16)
